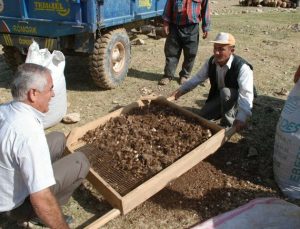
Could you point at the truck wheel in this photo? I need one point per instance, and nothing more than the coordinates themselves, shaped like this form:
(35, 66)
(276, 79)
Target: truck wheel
(13, 57)
(110, 60)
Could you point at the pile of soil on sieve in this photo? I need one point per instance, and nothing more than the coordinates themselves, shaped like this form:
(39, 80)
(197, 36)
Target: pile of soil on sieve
(147, 139)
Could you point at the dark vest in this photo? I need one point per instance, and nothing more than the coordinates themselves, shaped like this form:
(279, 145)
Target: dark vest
(230, 77)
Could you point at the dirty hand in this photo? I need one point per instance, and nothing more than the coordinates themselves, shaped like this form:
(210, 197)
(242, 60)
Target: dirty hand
(239, 125)
(205, 34)
(175, 95)
(166, 28)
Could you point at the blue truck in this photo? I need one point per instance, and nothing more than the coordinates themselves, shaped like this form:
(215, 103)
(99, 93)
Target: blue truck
(94, 28)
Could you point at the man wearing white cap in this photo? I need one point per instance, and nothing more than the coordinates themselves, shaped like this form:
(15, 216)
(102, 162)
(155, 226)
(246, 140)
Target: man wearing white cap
(231, 77)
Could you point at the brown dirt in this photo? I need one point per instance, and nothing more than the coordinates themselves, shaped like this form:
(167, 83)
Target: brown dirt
(142, 142)
(269, 39)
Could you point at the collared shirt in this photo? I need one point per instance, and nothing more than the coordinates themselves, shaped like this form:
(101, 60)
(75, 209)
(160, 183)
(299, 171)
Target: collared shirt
(25, 163)
(245, 81)
(185, 12)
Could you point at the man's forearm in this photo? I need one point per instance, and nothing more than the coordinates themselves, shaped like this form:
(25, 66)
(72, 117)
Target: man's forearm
(205, 16)
(47, 209)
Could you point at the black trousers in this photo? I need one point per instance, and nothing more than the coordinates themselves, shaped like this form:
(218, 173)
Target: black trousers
(181, 38)
(223, 106)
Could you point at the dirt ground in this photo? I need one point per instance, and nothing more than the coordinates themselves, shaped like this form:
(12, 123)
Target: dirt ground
(269, 39)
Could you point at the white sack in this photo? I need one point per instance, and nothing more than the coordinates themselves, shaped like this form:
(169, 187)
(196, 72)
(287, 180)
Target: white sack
(54, 61)
(286, 159)
(259, 213)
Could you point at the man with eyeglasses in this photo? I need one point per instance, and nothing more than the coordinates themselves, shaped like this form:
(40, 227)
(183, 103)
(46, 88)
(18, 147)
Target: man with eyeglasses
(231, 78)
(35, 178)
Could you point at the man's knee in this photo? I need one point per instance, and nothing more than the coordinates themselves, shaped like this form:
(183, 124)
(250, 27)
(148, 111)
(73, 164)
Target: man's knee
(57, 138)
(56, 142)
(228, 94)
(85, 164)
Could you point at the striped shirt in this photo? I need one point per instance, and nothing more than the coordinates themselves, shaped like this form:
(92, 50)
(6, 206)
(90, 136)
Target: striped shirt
(184, 12)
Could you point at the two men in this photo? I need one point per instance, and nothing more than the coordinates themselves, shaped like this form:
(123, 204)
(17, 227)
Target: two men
(35, 179)
(231, 77)
(181, 24)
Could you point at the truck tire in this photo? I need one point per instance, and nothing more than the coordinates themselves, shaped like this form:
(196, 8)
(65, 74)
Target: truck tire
(13, 57)
(110, 60)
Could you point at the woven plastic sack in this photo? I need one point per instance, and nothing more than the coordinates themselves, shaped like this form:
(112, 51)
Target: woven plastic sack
(259, 213)
(54, 61)
(286, 159)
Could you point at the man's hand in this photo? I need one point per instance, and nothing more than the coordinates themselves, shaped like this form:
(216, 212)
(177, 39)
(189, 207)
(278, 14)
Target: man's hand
(166, 27)
(47, 209)
(239, 125)
(205, 35)
(175, 95)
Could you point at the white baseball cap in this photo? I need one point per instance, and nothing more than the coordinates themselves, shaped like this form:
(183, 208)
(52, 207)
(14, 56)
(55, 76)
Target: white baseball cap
(224, 38)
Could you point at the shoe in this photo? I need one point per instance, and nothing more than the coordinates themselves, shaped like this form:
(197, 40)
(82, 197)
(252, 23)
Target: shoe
(25, 224)
(37, 221)
(182, 80)
(165, 81)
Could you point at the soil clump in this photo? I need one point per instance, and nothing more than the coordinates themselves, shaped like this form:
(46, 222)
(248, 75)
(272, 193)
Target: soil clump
(145, 140)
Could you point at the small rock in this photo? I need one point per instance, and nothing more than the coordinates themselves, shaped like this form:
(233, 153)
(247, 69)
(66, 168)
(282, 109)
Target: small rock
(115, 102)
(283, 91)
(259, 10)
(139, 41)
(252, 152)
(146, 91)
(71, 118)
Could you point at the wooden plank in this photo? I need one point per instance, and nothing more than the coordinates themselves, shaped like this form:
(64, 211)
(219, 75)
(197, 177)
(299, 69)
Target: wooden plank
(104, 219)
(114, 198)
(162, 179)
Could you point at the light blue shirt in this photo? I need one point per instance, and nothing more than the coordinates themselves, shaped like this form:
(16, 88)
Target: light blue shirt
(25, 163)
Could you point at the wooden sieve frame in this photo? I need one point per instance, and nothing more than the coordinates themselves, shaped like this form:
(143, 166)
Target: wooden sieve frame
(124, 204)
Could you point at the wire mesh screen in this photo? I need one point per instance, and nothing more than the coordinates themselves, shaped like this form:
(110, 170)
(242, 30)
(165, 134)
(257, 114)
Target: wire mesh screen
(121, 180)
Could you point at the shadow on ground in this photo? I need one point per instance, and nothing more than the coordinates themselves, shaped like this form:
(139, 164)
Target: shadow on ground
(91, 203)
(77, 74)
(150, 76)
(207, 206)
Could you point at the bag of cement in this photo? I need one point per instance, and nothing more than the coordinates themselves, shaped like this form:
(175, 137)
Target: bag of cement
(286, 158)
(259, 213)
(54, 61)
